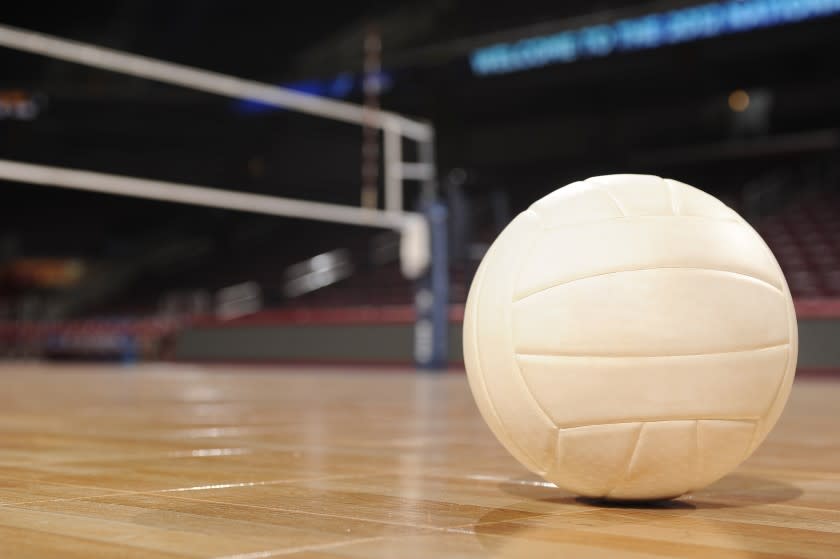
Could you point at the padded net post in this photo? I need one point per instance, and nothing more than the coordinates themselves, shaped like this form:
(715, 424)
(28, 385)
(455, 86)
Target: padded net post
(431, 296)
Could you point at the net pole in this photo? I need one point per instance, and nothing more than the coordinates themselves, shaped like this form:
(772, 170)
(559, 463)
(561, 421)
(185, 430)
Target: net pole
(393, 169)
(431, 295)
(426, 156)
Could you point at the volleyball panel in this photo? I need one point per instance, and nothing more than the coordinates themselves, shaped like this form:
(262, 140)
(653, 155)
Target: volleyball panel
(652, 313)
(737, 385)
(648, 460)
(504, 399)
(571, 253)
(637, 195)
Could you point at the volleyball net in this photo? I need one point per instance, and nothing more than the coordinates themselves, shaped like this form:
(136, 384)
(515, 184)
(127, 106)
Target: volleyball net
(421, 249)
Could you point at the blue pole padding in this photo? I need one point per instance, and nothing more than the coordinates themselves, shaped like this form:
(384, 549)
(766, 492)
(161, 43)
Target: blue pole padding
(431, 297)
(128, 348)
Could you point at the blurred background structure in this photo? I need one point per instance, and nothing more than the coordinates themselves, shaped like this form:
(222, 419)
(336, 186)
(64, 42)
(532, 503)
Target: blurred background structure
(739, 98)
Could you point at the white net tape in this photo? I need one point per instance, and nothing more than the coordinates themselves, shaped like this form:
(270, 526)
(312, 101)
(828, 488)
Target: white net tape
(203, 80)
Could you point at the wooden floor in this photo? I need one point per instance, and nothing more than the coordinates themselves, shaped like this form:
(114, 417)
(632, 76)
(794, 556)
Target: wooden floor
(182, 461)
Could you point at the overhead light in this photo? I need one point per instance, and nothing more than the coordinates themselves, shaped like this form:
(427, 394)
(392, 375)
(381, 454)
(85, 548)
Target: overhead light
(739, 100)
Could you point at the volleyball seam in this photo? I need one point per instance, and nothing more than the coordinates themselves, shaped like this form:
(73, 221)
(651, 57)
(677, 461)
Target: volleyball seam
(650, 269)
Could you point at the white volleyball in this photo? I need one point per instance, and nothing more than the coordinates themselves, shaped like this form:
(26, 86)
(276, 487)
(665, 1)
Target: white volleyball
(630, 337)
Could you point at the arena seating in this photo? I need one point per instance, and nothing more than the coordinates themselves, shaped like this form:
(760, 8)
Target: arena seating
(806, 240)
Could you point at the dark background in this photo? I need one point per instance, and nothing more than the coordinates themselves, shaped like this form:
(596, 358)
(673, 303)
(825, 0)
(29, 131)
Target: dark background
(518, 136)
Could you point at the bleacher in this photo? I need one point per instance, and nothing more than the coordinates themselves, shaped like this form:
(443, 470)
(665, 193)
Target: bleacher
(805, 238)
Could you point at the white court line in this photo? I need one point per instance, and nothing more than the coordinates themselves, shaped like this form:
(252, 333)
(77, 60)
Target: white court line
(204, 80)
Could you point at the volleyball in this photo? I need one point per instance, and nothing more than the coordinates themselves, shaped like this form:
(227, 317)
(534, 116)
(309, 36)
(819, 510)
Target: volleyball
(630, 337)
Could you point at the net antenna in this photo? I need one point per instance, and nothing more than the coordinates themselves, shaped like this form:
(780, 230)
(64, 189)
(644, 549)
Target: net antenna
(415, 251)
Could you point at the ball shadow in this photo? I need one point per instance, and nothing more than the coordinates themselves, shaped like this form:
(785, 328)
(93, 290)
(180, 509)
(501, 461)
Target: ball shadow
(734, 490)
(655, 504)
(740, 490)
(573, 521)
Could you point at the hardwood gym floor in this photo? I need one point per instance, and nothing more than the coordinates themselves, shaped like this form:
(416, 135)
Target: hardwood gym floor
(184, 461)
